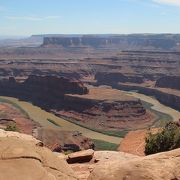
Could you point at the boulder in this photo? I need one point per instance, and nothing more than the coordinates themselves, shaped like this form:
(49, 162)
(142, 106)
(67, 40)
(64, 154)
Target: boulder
(22, 159)
(162, 166)
(83, 170)
(80, 156)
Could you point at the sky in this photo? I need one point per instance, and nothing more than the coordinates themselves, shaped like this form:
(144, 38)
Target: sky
(27, 17)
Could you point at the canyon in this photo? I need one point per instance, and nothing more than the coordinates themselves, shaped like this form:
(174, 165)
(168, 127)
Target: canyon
(98, 108)
(80, 92)
(146, 63)
(14, 117)
(98, 62)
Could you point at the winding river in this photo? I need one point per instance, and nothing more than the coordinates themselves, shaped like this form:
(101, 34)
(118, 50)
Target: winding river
(41, 116)
(156, 105)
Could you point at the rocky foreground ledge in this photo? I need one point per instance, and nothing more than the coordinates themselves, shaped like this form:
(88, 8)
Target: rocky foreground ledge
(24, 157)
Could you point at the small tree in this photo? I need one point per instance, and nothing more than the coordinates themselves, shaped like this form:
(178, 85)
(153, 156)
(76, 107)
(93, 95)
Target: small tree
(166, 139)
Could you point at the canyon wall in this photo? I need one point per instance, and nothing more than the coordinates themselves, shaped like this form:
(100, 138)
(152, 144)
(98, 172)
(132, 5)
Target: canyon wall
(166, 98)
(67, 98)
(115, 111)
(169, 82)
(115, 77)
(133, 41)
(46, 91)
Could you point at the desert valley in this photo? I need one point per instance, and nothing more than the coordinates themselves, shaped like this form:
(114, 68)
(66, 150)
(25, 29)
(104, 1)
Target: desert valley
(82, 105)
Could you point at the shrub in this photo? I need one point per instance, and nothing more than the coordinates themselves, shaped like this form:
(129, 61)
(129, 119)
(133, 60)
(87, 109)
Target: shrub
(53, 122)
(166, 139)
(11, 127)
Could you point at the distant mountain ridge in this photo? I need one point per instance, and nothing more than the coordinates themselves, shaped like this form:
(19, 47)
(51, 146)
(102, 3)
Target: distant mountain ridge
(123, 42)
(170, 42)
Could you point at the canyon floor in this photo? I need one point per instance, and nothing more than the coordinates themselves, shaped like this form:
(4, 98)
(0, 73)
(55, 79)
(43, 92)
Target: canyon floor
(122, 66)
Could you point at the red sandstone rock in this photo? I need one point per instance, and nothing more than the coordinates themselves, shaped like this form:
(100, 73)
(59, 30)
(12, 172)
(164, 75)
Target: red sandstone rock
(81, 156)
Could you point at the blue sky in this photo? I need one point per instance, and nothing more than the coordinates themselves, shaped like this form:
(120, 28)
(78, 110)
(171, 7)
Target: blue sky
(27, 17)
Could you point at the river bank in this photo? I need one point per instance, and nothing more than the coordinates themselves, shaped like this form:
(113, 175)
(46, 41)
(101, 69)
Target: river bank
(42, 116)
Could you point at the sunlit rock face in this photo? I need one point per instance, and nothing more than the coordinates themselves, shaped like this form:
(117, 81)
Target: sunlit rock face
(159, 166)
(23, 157)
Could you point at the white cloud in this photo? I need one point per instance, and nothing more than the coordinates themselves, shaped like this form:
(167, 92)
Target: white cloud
(32, 18)
(170, 2)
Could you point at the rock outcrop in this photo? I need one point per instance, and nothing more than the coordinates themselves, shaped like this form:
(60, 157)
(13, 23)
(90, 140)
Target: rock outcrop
(22, 157)
(80, 157)
(169, 82)
(162, 166)
(62, 141)
(106, 109)
(65, 98)
(83, 170)
(45, 91)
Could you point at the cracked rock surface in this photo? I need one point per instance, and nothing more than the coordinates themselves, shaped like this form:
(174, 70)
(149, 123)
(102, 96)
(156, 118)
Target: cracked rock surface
(161, 166)
(24, 159)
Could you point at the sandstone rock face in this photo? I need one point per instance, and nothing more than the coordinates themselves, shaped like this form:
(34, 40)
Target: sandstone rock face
(45, 91)
(134, 142)
(22, 158)
(107, 156)
(83, 170)
(80, 157)
(107, 109)
(162, 166)
(20, 136)
(57, 84)
(169, 82)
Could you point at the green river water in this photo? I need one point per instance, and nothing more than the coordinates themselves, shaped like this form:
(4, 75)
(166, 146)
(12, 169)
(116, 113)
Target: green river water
(41, 116)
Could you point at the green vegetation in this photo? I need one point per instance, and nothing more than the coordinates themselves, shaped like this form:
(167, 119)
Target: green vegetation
(120, 134)
(166, 139)
(161, 119)
(103, 145)
(39, 115)
(53, 122)
(11, 127)
(3, 100)
(68, 152)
